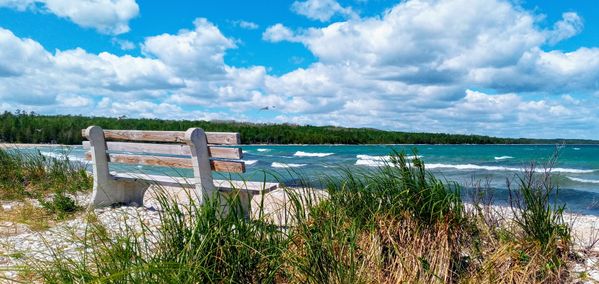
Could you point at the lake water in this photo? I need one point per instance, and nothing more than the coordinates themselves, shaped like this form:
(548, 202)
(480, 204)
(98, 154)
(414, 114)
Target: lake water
(576, 171)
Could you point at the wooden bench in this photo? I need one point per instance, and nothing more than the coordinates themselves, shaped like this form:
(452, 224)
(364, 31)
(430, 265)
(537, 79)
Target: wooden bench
(193, 149)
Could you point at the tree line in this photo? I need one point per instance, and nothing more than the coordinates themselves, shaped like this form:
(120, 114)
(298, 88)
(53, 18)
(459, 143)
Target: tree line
(23, 127)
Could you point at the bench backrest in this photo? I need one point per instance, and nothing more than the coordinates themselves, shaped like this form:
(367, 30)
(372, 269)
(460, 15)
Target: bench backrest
(170, 144)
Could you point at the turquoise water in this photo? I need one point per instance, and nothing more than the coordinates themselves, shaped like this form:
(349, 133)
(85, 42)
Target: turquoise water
(576, 171)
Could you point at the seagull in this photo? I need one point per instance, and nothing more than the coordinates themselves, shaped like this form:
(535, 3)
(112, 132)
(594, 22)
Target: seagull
(267, 108)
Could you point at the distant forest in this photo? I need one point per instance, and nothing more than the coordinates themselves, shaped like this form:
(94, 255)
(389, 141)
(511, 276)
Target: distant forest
(22, 127)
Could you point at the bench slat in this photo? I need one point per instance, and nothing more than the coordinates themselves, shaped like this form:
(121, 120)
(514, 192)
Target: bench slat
(216, 165)
(169, 149)
(222, 138)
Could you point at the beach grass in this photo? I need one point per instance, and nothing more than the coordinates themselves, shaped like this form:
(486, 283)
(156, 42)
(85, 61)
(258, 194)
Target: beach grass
(398, 224)
(28, 176)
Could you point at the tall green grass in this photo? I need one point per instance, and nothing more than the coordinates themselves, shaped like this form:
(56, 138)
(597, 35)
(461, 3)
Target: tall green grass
(537, 210)
(33, 175)
(397, 224)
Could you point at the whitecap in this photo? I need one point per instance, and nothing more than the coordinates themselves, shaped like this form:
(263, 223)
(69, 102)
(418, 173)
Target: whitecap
(282, 165)
(500, 168)
(594, 181)
(576, 149)
(58, 156)
(379, 162)
(250, 162)
(573, 171)
(382, 158)
(373, 158)
(503, 158)
(308, 154)
(263, 150)
(370, 163)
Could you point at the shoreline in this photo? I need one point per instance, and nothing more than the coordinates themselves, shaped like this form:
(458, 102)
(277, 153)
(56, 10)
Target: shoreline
(16, 145)
(8, 145)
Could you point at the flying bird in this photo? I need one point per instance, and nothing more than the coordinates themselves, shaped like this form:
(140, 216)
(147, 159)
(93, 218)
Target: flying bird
(267, 108)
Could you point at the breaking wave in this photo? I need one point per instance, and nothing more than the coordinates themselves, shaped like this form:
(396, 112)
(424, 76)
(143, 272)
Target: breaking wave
(308, 154)
(500, 168)
(286, 166)
(59, 156)
(377, 161)
(503, 158)
(594, 181)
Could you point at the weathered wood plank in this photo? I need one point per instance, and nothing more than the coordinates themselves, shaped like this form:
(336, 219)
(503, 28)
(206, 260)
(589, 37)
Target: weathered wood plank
(222, 138)
(225, 153)
(216, 165)
(169, 149)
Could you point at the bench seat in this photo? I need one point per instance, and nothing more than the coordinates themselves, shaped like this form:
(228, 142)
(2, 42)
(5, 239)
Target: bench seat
(221, 185)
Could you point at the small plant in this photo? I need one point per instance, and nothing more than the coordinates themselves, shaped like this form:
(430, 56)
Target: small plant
(60, 204)
(536, 209)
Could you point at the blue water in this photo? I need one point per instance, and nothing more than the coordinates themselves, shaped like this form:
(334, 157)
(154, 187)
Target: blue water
(576, 171)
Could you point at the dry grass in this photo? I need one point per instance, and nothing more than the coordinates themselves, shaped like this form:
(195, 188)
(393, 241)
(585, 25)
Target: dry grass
(505, 255)
(27, 216)
(400, 251)
(25, 213)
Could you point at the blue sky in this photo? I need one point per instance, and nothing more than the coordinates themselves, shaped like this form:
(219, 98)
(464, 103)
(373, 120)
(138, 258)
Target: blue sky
(502, 68)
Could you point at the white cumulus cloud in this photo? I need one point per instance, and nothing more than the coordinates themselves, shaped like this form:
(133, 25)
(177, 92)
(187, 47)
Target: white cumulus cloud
(277, 33)
(106, 16)
(197, 52)
(570, 25)
(322, 10)
(423, 65)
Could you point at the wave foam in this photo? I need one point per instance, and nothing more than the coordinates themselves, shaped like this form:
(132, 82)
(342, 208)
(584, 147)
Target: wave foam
(263, 150)
(377, 161)
(576, 149)
(286, 166)
(500, 168)
(250, 162)
(465, 167)
(370, 163)
(58, 156)
(382, 158)
(373, 158)
(308, 154)
(503, 158)
(572, 171)
(594, 181)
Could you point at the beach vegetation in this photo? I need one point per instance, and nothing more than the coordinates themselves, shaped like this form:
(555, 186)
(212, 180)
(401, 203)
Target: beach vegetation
(30, 174)
(397, 224)
(37, 189)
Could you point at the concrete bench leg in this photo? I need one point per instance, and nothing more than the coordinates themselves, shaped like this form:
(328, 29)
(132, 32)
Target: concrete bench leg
(108, 191)
(118, 192)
